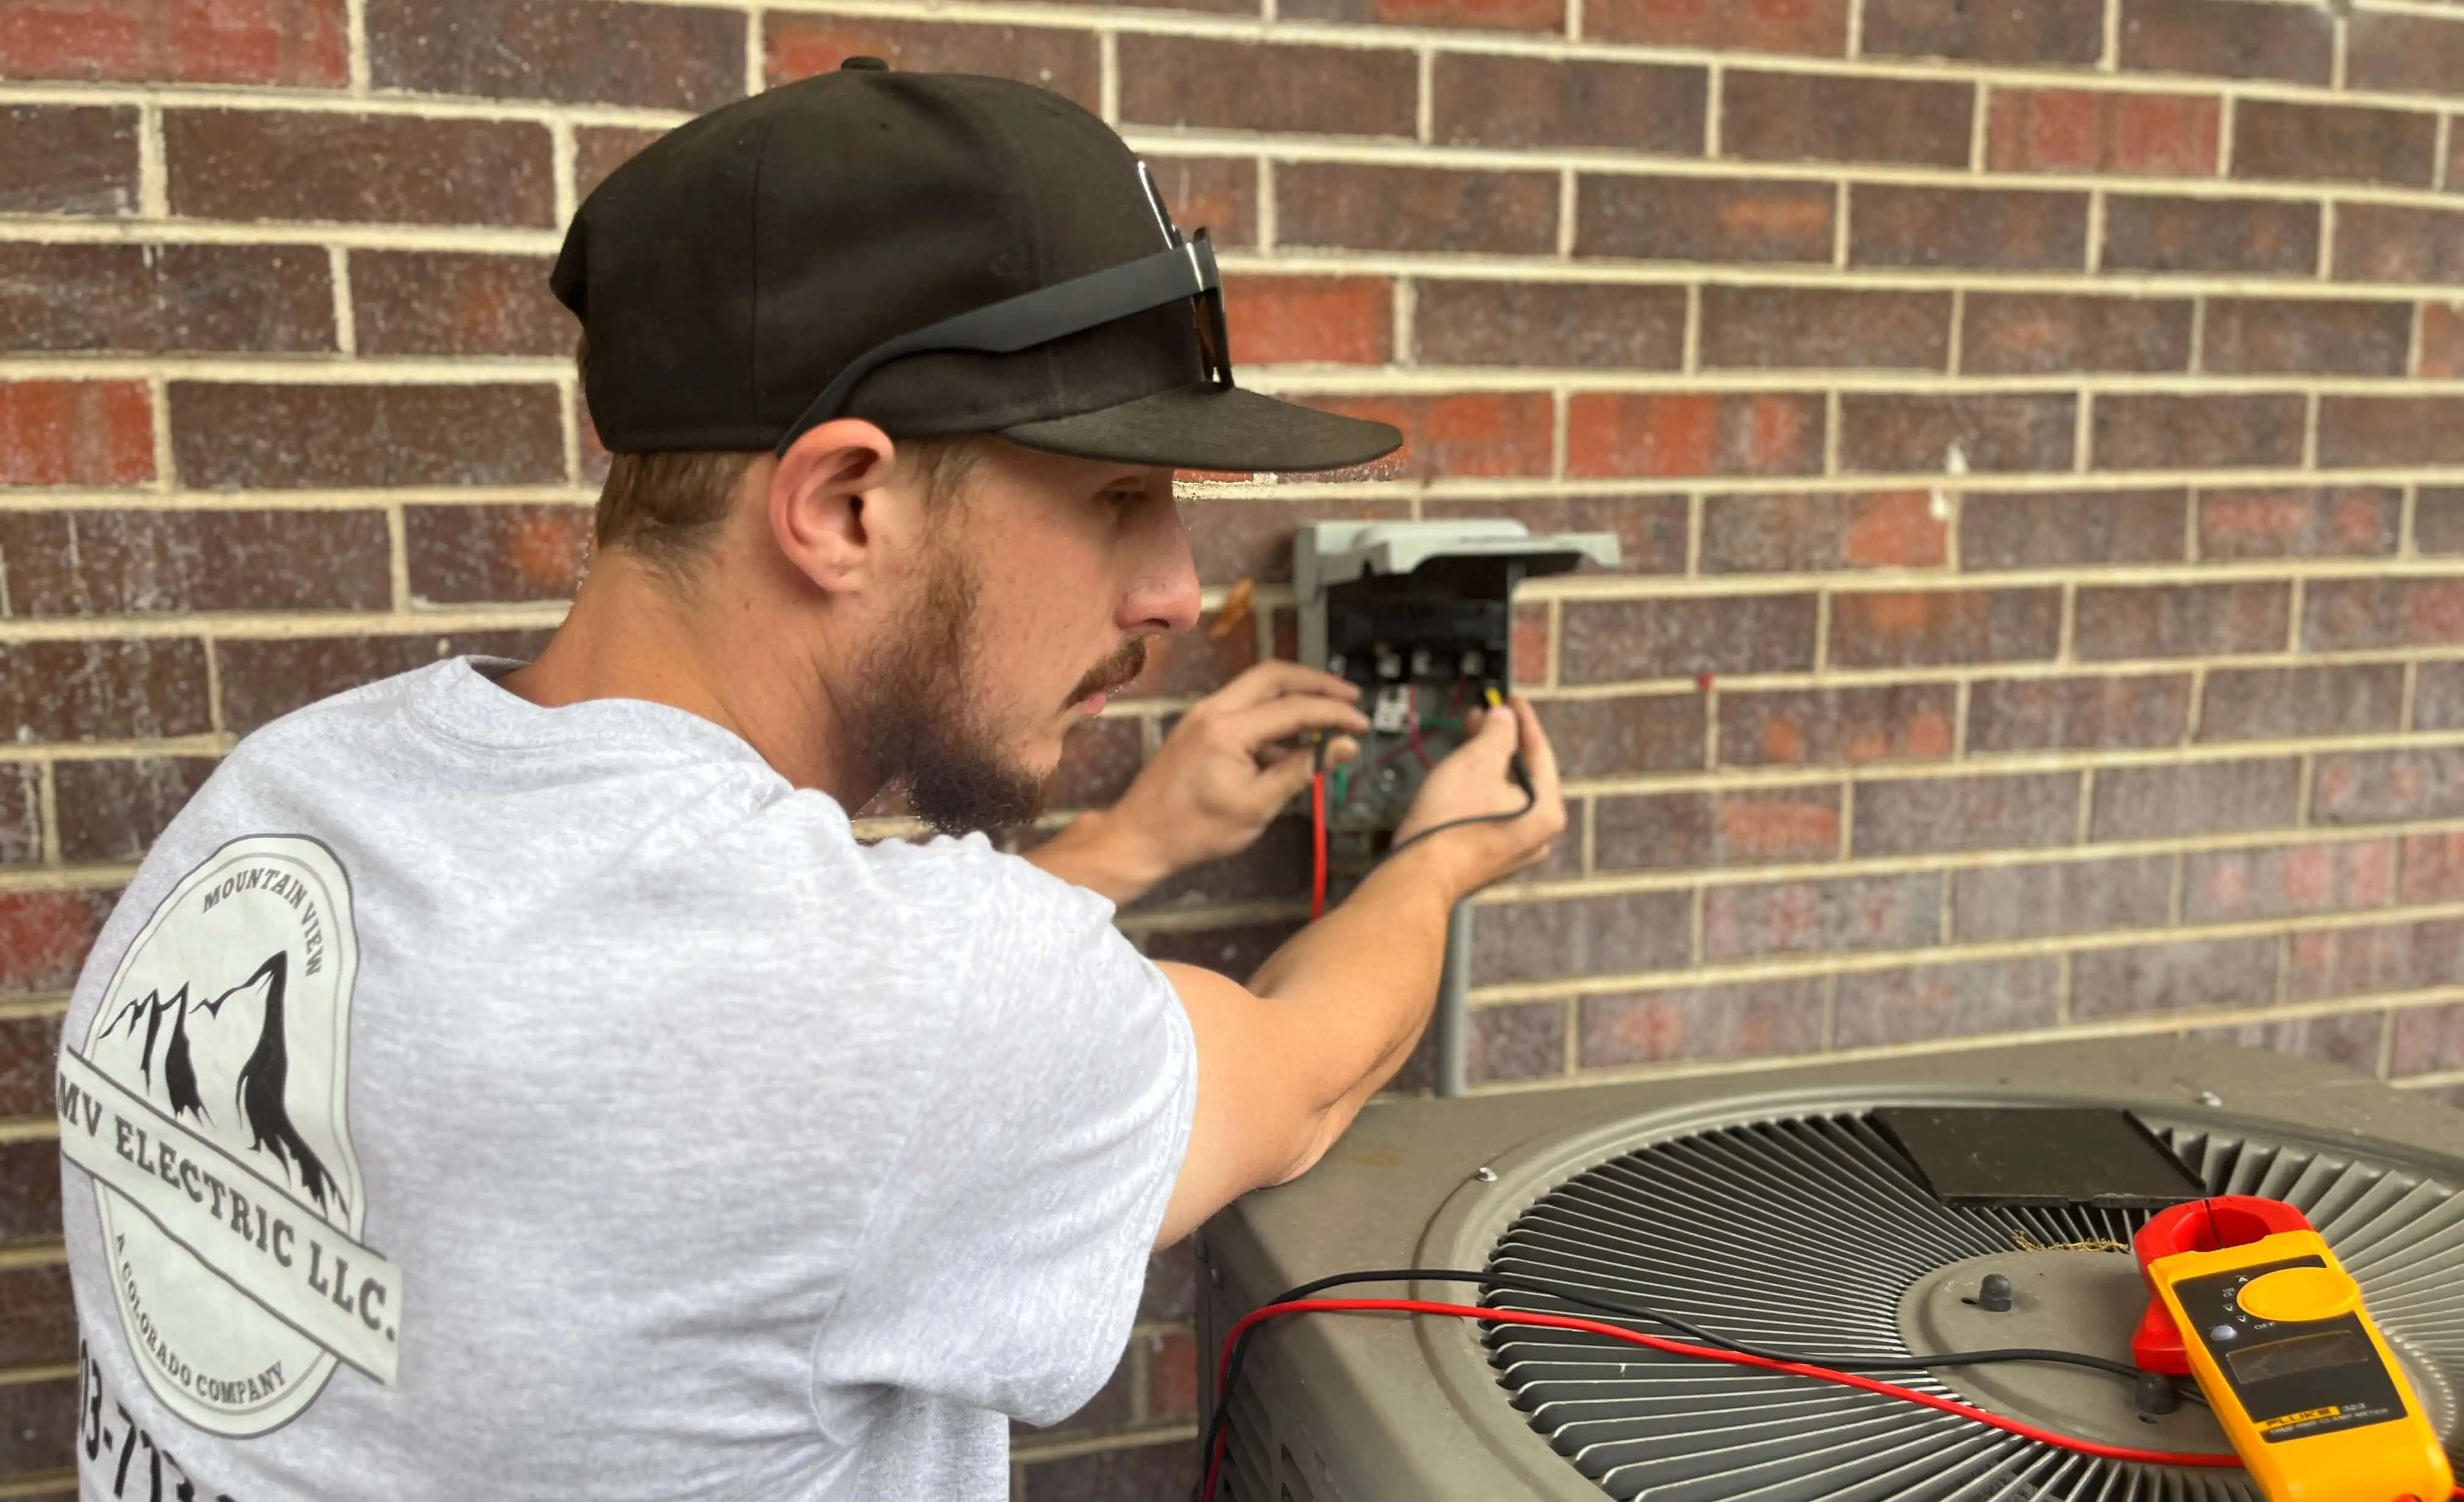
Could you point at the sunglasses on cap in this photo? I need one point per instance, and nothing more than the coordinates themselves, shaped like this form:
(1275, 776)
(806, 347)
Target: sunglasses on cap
(1186, 269)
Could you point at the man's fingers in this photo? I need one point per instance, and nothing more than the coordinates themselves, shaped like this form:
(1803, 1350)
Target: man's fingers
(1269, 680)
(1285, 774)
(1340, 749)
(1292, 715)
(1539, 756)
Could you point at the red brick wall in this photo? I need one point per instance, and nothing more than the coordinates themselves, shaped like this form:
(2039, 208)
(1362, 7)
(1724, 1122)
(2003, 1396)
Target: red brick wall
(2033, 429)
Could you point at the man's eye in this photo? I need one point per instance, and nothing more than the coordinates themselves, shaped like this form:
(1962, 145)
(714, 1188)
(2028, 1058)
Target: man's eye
(1121, 496)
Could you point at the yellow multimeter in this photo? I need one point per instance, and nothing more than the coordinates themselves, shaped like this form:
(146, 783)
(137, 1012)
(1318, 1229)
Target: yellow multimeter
(2298, 1374)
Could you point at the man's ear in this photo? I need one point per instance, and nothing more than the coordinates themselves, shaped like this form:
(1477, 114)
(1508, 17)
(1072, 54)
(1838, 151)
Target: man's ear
(824, 511)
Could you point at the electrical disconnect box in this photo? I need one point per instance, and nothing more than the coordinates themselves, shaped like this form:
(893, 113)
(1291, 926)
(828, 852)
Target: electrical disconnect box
(1421, 615)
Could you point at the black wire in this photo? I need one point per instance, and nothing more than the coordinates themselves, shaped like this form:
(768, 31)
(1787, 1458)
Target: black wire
(1592, 1300)
(1530, 801)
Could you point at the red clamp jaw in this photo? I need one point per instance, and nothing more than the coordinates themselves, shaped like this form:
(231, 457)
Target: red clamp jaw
(2209, 1224)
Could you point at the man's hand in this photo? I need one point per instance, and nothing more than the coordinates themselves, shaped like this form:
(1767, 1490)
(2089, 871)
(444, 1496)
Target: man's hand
(1476, 783)
(1226, 771)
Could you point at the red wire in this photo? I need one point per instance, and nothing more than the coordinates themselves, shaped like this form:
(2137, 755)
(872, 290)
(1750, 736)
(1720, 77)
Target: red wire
(1317, 844)
(1502, 1316)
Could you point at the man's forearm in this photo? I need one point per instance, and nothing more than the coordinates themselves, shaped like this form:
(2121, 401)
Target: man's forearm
(1097, 852)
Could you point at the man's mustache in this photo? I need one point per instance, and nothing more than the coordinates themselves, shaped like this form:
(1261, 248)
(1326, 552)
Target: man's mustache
(1116, 671)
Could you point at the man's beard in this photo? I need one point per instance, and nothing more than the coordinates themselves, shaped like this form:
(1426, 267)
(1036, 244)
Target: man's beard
(922, 725)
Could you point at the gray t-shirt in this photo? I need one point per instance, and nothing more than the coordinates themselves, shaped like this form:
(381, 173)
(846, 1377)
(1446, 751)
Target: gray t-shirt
(470, 1099)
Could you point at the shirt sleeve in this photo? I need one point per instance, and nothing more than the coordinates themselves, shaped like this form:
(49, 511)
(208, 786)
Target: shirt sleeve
(1003, 1264)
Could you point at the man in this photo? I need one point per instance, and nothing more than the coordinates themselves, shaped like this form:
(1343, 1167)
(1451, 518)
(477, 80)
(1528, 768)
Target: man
(518, 1081)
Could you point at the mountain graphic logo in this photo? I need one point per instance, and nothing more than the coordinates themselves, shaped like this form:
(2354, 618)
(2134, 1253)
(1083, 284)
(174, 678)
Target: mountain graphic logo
(206, 1093)
(258, 1092)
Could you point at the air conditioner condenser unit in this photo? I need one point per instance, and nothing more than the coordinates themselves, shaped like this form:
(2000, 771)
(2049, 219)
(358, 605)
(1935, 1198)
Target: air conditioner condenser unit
(1776, 1209)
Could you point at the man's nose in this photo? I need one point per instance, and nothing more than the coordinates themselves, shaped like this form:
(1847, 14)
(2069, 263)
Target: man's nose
(1164, 595)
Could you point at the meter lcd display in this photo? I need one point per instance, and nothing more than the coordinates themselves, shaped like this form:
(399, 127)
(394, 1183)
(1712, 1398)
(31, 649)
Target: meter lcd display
(2260, 1363)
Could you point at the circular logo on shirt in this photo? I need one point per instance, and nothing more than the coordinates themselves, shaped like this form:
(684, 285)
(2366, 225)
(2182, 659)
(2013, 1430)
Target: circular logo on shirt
(207, 1100)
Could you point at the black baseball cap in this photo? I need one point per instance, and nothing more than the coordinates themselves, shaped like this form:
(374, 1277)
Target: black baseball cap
(936, 252)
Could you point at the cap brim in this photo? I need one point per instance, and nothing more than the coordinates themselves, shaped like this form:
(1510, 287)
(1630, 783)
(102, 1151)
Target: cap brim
(1214, 428)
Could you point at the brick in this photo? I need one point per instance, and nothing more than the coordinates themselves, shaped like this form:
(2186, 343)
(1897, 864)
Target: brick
(2226, 39)
(1621, 435)
(2333, 144)
(2387, 242)
(2438, 520)
(1822, 532)
(1534, 645)
(601, 149)
(43, 939)
(2433, 867)
(269, 437)
(113, 811)
(1243, 537)
(1525, 1039)
(1207, 84)
(2252, 236)
(1817, 28)
(2001, 229)
(1742, 827)
(2087, 130)
(1836, 727)
(417, 302)
(2344, 521)
(1193, 662)
(2402, 54)
(76, 433)
(298, 42)
(1171, 1290)
(2427, 1038)
(2120, 622)
(2358, 614)
(2239, 886)
(2280, 703)
(2438, 697)
(1617, 934)
(1507, 16)
(1219, 196)
(167, 298)
(650, 56)
(2173, 977)
(1919, 1002)
(1887, 433)
(1062, 61)
(1479, 433)
(2134, 712)
(1531, 101)
(2035, 333)
(2351, 1041)
(1924, 628)
(1625, 736)
(2278, 336)
(103, 690)
(1777, 327)
(21, 814)
(2442, 341)
(1310, 320)
(1781, 117)
(2392, 957)
(1705, 219)
(464, 554)
(1650, 529)
(2005, 903)
(282, 165)
(1127, 1475)
(2061, 529)
(1757, 1019)
(1985, 31)
(264, 680)
(1551, 323)
(67, 160)
(1237, 950)
(1097, 761)
(1854, 913)
(1415, 208)
(1607, 641)
(2146, 803)
(2197, 432)
(2389, 786)
(2031, 810)
(37, 1317)
(138, 562)
(2386, 431)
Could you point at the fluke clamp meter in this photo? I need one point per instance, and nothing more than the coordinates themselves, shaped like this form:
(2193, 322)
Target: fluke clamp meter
(2246, 1297)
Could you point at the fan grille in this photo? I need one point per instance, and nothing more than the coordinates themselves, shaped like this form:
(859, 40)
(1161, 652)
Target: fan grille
(1802, 1234)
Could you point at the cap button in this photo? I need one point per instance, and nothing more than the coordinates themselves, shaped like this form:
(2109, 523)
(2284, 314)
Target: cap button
(864, 65)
